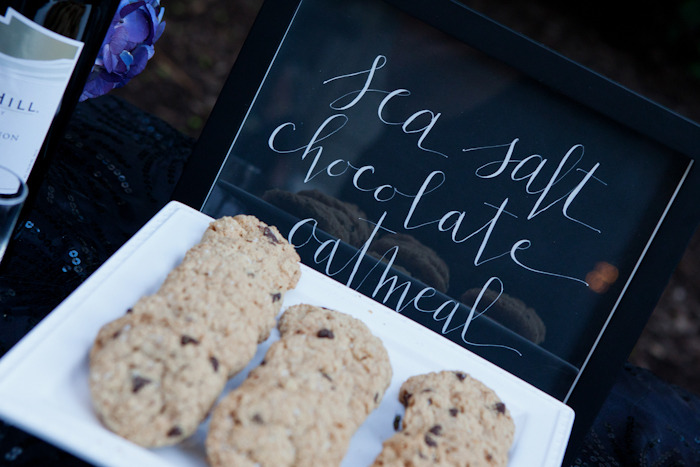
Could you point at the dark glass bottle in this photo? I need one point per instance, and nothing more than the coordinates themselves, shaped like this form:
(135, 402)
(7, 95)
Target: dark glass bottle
(47, 50)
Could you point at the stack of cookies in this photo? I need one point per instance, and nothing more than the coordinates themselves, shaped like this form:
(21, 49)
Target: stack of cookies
(414, 259)
(314, 389)
(340, 219)
(451, 419)
(511, 312)
(156, 372)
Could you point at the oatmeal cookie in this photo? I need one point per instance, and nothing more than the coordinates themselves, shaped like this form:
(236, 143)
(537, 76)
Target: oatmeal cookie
(268, 251)
(155, 372)
(301, 406)
(152, 383)
(451, 419)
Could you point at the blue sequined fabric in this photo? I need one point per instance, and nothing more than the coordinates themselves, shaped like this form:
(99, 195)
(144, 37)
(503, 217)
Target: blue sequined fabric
(117, 166)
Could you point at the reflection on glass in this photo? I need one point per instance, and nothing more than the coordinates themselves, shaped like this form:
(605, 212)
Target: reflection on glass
(340, 219)
(602, 277)
(511, 312)
(414, 258)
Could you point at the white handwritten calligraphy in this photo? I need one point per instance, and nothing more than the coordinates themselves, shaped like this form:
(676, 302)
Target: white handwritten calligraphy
(571, 177)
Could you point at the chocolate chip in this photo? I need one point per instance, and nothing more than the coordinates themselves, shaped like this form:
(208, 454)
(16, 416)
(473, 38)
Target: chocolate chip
(257, 418)
(129, 310)
(430, 441)
(430, 401)
(489, 457)
(397, 422)
(138, 382)
(214, 363)
(376, 397)
(327, 376)
(174, 431)
(185, 339)
(116, 334)
(454, 412)
(325, 334)
(406, 397)
(436, 430)
(460, 375)
(271, 235)
(276, 297)
(500, 407)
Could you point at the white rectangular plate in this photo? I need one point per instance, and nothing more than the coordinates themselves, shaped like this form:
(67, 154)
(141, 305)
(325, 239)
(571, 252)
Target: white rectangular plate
(43, 379)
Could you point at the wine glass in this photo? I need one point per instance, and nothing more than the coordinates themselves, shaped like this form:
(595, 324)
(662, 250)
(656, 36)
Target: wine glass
(13, 192)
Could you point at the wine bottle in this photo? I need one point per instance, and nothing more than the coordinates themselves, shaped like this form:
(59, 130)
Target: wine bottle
(47, 50)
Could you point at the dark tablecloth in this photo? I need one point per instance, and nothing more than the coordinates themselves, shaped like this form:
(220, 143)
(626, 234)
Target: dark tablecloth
(117, 166)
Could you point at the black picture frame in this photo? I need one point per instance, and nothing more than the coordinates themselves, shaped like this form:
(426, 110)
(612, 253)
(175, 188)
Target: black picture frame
(666, 138)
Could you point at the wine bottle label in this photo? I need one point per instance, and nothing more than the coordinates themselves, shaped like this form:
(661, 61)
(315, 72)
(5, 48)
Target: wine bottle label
(35, 67)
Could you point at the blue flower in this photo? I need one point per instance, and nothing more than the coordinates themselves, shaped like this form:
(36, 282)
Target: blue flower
(127, 47)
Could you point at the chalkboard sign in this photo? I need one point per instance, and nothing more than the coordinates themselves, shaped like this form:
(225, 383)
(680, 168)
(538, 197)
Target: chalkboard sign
(468, 178)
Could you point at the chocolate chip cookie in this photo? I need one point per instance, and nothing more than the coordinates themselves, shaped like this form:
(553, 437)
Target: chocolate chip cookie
(451, 419)
(315, 387)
